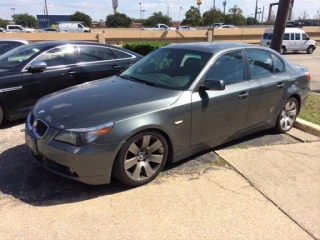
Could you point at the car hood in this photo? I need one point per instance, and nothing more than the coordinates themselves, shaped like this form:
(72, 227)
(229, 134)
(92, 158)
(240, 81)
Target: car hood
(99, 102)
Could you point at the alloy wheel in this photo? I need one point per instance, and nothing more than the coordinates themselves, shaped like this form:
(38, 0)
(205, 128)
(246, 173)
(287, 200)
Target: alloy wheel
(144, 158)
(288, 115)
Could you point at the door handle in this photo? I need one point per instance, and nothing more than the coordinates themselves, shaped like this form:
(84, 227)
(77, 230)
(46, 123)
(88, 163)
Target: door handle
(71, 72)
(243, 95)
(280, 85)
(117, 67)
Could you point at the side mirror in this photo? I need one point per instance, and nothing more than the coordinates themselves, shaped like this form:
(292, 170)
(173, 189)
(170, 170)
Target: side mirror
(37, 66)
(212, 84)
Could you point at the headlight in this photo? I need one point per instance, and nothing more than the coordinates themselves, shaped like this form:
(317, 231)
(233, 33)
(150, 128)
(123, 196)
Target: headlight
(82, 136)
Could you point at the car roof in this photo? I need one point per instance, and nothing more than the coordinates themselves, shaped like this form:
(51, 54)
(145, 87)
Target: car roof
(287, 30)
(209, 47)
(14, 40)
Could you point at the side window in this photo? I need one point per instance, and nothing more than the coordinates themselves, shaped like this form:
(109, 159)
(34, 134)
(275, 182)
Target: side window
(80, 26)
(270, 36)
(278, 64)
(292, 36)
(58, 56)
(305, 37)
(298, 36)
(228, 67)
(265, 36)
(94, 54)
(260, 63)
(121, 54)
(286, 36)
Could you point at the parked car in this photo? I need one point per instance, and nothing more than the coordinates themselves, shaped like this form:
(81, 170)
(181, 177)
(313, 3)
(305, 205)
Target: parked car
(50, 30)
(73, 27)
(160, 26)
(216, 25)
(294, 40)
(175, 102)
(181, 28)
(19, 28)
(225, 26)
(32, 71)
(7, 44)
(2, 30)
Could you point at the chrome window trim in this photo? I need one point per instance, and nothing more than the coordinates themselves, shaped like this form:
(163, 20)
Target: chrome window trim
(61, 46)
(33, 130)
(109, 48)
(10, 89)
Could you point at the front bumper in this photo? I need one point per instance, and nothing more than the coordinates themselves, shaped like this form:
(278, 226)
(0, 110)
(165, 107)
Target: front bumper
(91, 164)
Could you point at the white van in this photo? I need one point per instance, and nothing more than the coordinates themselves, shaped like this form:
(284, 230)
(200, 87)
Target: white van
(73, 27)
(294, 40)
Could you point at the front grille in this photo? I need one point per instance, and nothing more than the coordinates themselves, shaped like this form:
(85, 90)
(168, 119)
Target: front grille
(40, 128)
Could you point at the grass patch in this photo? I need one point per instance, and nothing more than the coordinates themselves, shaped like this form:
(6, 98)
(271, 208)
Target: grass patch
(242, 147)
(311, 110)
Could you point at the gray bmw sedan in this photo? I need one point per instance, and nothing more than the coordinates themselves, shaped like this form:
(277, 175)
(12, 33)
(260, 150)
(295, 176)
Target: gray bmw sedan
(177, 101)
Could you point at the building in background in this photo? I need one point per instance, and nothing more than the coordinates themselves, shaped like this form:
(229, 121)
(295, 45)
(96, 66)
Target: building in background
(53, 19)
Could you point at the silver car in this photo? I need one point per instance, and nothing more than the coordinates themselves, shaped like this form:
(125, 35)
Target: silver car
(177, 101)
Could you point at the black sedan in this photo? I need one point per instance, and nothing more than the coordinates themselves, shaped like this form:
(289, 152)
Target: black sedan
(175, 102)
(32, 71)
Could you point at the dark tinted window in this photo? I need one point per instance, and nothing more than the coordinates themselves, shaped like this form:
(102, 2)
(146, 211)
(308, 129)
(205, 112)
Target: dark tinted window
(270, 36)
(58, 56)
(305, 37)
(298, 36)
(292, 36)
(265, 36)
(80, 26)
(228, 67)
(286, 36)
(260, 63)
(278, 64)
(7, 46)
(93, 54)
(121, 54)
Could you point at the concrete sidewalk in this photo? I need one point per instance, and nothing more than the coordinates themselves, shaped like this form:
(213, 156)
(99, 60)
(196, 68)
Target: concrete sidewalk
(289, 175)
(217, 203)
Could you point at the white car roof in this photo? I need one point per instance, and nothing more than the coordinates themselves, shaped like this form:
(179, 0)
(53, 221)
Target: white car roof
(287, 30)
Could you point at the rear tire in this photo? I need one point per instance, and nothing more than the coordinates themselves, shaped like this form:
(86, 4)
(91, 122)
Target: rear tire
(287, 115)
(141, 158)
(310, 49)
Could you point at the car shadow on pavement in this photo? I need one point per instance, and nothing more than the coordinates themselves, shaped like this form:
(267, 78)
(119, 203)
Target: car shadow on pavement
(8, 124)
(25, 180)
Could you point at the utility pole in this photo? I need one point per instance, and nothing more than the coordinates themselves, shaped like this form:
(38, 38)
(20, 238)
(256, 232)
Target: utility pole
(224, 10)
(280, 24)
(168, 10)
(140, 11)
(214, 18)
(45, 2)
(12, 10)
(262, 15)
(256, 11)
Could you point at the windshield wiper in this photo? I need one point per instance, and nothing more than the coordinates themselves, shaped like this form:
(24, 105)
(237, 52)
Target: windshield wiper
(137, 80)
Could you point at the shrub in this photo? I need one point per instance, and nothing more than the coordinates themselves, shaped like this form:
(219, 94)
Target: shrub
(144, 48)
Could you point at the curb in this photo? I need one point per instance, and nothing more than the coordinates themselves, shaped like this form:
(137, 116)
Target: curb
(308, 127)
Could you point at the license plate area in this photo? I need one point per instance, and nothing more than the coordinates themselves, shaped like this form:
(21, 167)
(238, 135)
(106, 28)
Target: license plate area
(32, 143)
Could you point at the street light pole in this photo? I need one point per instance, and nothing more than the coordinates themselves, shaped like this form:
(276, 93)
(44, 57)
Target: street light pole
(45, 2)
(140, 11)
(12, 10)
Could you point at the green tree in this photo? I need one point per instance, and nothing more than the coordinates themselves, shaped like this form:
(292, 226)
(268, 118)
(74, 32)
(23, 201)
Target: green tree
(272, 19)
(25, 19)
(81, 17)
(118, 20)
(193, 17)
(3, 23)
(156, 18)
(208, 17)
(251, 21)
(235, 16)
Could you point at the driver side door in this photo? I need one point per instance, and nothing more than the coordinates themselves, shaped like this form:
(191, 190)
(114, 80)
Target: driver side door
(219, 114)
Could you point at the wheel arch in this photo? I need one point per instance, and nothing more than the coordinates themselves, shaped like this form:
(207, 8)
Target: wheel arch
(298, 98)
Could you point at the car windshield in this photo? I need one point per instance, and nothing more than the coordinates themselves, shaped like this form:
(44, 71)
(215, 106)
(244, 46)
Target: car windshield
(168, 68)
(19, 55)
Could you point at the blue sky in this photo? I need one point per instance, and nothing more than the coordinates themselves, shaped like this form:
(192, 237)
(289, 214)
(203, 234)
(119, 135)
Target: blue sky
(98, 9)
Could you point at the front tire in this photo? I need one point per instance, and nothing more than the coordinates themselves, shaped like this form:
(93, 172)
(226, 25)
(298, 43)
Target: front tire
(141, 158)
(310, 49)
(287, 116)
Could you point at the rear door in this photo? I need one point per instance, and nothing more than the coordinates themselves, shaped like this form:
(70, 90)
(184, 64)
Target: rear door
(98, 62)
(297, 42)
(268, 80)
